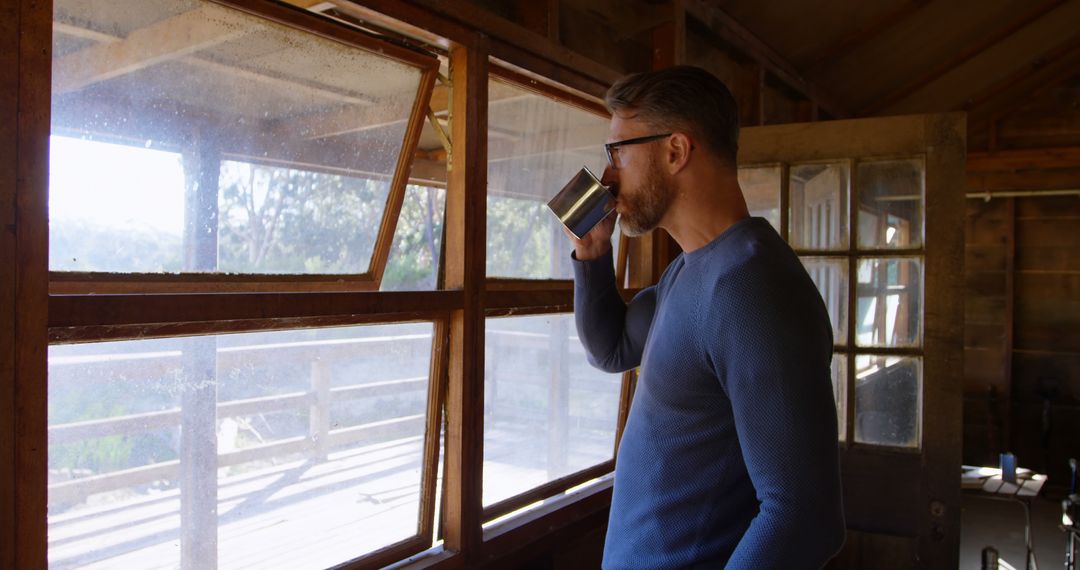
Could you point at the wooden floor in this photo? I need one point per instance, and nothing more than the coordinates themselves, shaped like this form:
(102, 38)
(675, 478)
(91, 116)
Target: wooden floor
(299, 514)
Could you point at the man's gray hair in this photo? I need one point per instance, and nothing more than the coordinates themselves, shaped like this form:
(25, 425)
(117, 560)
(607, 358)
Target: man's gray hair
(682, 98)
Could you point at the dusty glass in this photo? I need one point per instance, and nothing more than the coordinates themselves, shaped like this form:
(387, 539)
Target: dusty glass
(761, 188)
(535, 146)
(888, 391)
(818, 206)
(192, 137)
(891, 203)
(830, 275)
(839, 385)
(548, 413)
(889, 302)
(414, 259)
(287, 435)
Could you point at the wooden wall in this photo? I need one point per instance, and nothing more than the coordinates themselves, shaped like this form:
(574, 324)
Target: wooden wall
(1022, 331)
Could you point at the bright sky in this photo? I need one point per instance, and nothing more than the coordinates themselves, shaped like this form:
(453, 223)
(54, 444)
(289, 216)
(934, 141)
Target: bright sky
(115, 185)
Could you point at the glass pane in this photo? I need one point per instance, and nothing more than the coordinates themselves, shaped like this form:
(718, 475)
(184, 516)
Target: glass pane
(414, 256)
(889, 298)
(888, 392)
(761, 188)
(891, 203)
(548, 413)
(818, 206)
(535, 145)
(830, 274)
(255, 442)
(839, 384)
(189, 136)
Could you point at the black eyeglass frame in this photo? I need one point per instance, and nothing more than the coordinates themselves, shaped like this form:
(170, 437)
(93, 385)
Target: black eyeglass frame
(608, 147)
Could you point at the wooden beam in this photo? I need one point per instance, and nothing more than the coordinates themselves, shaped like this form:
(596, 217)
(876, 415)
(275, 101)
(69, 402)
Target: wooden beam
(1024, 159)
(466, 238)
(167, 40)
(735, 34)
(1043, 73)
(952, 63)
(25, 63)
(294, 86)
(857, 38)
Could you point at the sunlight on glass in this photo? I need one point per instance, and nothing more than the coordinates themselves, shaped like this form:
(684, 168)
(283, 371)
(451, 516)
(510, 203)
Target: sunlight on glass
(761, 188)
(889, 302)
(548, 413)
(888, 394)
(252, 442)
(193, 137)
(818, 206)
(830, 275)
(535, 146)
(891, 203)
(839, 383)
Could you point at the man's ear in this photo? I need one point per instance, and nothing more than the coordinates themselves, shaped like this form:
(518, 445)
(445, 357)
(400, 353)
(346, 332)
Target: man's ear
(679, 149)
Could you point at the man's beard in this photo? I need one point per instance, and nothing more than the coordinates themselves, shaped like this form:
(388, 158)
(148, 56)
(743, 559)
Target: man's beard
(647, 204)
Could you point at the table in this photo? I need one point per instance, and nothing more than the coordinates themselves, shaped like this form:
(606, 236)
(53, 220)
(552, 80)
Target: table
(987, 482)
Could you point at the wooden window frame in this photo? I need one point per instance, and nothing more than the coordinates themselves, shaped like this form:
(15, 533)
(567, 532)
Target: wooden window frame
(101, 282)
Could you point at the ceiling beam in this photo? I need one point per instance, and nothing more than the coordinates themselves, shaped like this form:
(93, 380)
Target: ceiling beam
(852, 41)
(959, 59)
(293, 86)
(735, 34)
(167, 40)
(1042, 73)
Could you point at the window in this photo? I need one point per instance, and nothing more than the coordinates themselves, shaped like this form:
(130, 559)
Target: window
(876, 318)
(252, 174)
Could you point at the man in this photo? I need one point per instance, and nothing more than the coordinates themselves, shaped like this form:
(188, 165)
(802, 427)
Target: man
(729, 456)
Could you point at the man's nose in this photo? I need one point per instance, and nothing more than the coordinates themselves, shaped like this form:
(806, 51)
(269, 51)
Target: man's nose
(610, 176)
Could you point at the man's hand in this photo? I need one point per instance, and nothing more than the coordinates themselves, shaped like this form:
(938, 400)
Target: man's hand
(595, 243)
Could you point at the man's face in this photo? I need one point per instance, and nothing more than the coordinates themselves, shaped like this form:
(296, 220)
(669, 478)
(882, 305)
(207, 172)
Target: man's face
(642, 188)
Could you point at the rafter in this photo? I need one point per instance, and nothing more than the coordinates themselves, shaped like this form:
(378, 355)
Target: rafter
(170, 39)
(291, 85)
(852, 41)
(735, 34)
(959, 59)
(1044, 72)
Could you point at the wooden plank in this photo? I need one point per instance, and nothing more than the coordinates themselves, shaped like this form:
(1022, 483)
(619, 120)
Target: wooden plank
(1028, 180)
(433, 433)
(984, 366)
(167, 40)
(396, 196)
(985, 283)
(984, 257)
(25, 198)
(1023, 159)
(466, 203)
(10, 54)
(986, 310)
(743, 39)
(1014, 25)
(1048, 207)
(1048, 258)
(1049, 232)
(546, 490)
(852, 41)
(93, 310)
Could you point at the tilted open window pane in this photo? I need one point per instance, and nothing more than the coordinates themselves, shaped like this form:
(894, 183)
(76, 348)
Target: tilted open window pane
(535, 145)
(830, 274)
(548, 413)
(889, 302)
(237, 448)
(193, 137)
(888, 391)
(818, 206)
(891, 203)
(761, 188)
(414, 257)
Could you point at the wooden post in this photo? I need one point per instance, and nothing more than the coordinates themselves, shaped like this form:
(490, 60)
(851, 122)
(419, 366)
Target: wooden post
(198, 455)
(319, 416)
(25, 76)
(558, 398)
(198, 408)
(466, 237)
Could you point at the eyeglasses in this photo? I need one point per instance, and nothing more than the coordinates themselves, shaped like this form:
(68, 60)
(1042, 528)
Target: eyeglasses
(612, 148)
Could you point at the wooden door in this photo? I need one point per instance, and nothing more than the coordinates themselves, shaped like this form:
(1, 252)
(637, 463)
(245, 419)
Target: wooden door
(874, 207)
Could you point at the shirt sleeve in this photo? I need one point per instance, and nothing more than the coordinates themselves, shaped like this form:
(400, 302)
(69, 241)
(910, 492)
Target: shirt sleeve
(780, 389)
(612, 331)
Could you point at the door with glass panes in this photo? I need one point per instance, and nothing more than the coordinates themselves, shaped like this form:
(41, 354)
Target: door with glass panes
(874, 208)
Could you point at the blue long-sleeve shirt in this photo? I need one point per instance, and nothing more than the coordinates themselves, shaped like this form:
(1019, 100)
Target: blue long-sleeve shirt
(729, 455)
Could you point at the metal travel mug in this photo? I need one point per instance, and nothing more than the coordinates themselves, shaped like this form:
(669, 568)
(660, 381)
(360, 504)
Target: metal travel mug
(582, 203)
